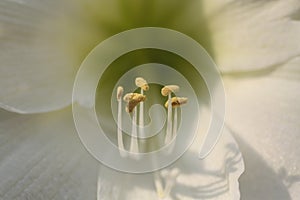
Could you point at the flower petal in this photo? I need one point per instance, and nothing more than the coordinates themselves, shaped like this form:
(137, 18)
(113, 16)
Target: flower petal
(264, 112)
(253, 35)
(42, 158)
(34, 75)
(215, 177)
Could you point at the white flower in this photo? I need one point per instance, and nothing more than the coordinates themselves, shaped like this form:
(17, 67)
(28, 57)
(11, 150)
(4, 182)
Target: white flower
(255, 44)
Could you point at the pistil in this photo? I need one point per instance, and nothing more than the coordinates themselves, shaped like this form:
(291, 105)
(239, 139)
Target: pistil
(120, 91)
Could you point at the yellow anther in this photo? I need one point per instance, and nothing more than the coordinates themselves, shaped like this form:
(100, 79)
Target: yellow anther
(165, 91)
(142, 83)
(177, 101)
(133, 99)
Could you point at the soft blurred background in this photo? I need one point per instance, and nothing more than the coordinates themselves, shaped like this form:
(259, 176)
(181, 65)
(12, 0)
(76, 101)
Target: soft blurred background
(256, 45)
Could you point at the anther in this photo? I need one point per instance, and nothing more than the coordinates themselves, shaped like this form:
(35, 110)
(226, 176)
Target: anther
(177, 102)
(133, 99)
(165, 91)
(141, 83)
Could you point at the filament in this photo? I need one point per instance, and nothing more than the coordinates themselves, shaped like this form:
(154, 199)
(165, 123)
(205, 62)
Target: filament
(141, 116)
(169, 122)
(175, 123)
(134, 142)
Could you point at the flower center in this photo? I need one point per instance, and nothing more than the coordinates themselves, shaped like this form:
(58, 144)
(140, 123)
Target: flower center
(123, 72)
(135, 104)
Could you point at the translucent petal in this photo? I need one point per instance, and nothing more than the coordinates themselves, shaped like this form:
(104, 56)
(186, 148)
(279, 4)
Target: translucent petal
(41, 157)
(34, 75)
(215, 177)
(253, 35)
(263, 111)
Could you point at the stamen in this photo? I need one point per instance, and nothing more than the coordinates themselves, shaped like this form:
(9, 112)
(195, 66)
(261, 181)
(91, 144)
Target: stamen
(167, 91)
(141, 83)
(120, 91)
(176, 102)
(133, 99)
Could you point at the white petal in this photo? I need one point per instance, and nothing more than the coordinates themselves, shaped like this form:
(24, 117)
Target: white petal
(41, 157)
(215, 177)
(264, 113)
(34, 75)
(253, 35)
